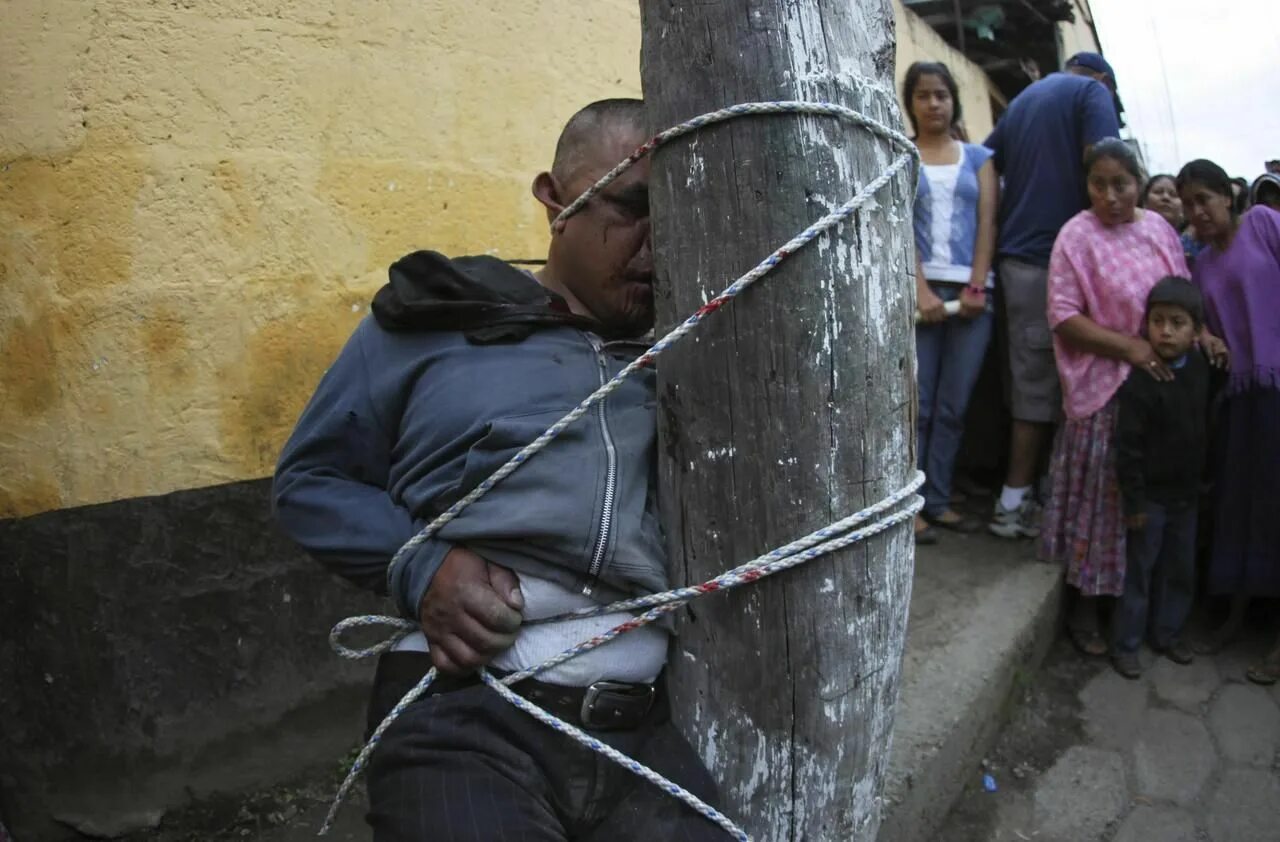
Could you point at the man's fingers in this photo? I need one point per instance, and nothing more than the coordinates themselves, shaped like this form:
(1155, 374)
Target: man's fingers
(479, 626)
(488, 609)
(488, 625)
(458, 654)
(507, 585)
(443, 662)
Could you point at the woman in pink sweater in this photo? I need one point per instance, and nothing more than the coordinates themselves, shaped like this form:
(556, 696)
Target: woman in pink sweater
(1105, 261)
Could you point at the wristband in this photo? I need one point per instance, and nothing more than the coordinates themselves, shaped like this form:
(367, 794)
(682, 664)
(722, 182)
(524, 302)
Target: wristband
(976, 290)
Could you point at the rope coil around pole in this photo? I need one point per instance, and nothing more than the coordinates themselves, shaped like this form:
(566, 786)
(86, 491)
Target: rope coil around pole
(849, 530)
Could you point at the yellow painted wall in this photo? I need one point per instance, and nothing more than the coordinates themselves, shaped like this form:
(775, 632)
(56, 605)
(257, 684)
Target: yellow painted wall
(918, 42)
(198, 197)
(1077, 36)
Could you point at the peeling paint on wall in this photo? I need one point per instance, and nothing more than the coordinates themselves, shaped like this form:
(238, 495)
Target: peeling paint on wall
(197, 202)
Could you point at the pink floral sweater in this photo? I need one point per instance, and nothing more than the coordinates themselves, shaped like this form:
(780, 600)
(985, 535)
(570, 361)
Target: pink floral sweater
(1105, 273)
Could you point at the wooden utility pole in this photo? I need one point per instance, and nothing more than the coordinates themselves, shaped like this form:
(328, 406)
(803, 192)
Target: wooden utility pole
(789, 409)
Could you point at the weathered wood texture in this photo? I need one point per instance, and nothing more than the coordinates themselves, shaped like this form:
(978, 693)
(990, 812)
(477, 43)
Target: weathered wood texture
(790, 409)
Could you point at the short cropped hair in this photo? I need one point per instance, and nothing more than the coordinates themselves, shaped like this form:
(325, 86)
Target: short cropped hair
(585, 127)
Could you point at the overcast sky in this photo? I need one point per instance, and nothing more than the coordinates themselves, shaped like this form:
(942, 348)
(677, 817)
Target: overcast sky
(1198, 79)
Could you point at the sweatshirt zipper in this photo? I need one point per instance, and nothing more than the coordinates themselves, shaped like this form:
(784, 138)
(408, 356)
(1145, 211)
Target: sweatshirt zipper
(610, 477)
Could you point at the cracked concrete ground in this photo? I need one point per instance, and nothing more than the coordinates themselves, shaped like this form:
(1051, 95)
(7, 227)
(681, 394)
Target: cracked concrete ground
(1184, 753)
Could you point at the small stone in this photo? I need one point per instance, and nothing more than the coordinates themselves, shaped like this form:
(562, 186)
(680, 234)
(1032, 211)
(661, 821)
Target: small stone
(1148, 824)
(1173, 757)
(1114, 709)
(1244, 807)
(1187, 687)
(1080, 795)
(1247, 724)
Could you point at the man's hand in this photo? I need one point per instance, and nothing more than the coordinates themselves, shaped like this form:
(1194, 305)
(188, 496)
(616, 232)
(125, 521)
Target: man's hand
(471, 611)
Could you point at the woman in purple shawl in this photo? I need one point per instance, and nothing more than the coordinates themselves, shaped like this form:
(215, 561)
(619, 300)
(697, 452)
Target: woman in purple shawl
(1238, 273)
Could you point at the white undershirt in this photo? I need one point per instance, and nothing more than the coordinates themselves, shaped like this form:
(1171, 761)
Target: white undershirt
(942, 192)
(637, 656)
(941, 265)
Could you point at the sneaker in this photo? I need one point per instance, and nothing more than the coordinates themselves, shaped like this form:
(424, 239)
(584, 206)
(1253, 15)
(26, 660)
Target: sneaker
(1022, 522)
(1127, 664)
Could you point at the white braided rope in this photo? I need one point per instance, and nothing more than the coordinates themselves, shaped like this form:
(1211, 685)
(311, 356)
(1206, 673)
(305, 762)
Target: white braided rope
(828, 539)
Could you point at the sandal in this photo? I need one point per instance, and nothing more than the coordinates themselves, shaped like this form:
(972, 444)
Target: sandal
(1087, 641)
(1266, 672)
(955, 523)
(925, 534)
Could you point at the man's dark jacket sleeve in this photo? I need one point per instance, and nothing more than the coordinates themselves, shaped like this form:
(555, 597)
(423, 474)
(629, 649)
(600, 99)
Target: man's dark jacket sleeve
(330, 492)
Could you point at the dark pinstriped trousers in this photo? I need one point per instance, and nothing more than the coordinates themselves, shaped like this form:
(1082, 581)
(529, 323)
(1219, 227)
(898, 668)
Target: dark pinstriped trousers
(462, 765)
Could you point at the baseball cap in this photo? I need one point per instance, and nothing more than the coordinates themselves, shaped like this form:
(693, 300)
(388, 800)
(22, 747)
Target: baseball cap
(1094, 62)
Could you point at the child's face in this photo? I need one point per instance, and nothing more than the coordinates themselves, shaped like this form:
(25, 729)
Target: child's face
(1170, 330)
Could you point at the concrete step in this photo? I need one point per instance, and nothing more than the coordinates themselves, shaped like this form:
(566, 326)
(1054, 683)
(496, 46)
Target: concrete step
(983, 614)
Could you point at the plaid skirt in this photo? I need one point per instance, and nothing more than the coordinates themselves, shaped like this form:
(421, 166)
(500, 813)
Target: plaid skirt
(1083, 524)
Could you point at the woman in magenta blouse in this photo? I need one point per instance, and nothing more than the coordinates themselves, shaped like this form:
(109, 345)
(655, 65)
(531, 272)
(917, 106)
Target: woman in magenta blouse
(1239, 276)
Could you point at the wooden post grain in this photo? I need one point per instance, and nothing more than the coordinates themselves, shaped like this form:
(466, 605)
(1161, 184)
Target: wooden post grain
(791, 408)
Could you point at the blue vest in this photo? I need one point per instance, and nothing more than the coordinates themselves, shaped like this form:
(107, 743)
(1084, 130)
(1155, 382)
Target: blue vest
(964, 210)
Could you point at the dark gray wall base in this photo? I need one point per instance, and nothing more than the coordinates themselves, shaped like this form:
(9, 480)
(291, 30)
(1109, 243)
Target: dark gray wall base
(157, 650)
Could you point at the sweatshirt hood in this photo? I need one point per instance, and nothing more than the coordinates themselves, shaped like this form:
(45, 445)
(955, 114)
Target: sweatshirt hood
(484, 297)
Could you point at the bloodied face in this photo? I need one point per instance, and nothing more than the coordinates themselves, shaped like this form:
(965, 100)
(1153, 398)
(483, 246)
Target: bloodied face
(603, 253)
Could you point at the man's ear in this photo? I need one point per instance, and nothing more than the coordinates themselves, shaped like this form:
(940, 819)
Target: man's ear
(547, 191)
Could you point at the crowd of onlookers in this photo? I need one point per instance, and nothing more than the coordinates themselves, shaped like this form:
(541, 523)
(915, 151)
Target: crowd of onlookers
(1139, 319)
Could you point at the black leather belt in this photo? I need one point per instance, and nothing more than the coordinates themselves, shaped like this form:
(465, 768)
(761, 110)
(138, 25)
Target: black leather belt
(603, 706)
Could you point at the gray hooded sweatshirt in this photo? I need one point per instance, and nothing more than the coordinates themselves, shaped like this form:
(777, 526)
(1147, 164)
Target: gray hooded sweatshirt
(463, 363)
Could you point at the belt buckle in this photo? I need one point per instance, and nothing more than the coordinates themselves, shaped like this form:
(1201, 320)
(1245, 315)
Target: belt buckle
(612, 705)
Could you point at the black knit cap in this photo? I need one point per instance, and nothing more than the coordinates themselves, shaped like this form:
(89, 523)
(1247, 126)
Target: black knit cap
(1181, 293)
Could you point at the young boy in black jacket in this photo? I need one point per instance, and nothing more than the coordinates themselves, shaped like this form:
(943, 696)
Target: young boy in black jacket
(1161, 435)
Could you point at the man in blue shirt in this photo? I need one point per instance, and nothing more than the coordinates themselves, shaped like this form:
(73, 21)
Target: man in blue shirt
(1039, 146)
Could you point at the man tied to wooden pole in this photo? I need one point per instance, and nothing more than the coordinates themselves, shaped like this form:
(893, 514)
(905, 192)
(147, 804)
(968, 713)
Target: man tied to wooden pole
(789, 411)
(462, 363)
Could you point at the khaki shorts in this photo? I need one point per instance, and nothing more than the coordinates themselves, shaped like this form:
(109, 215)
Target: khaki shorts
(1034, 391)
